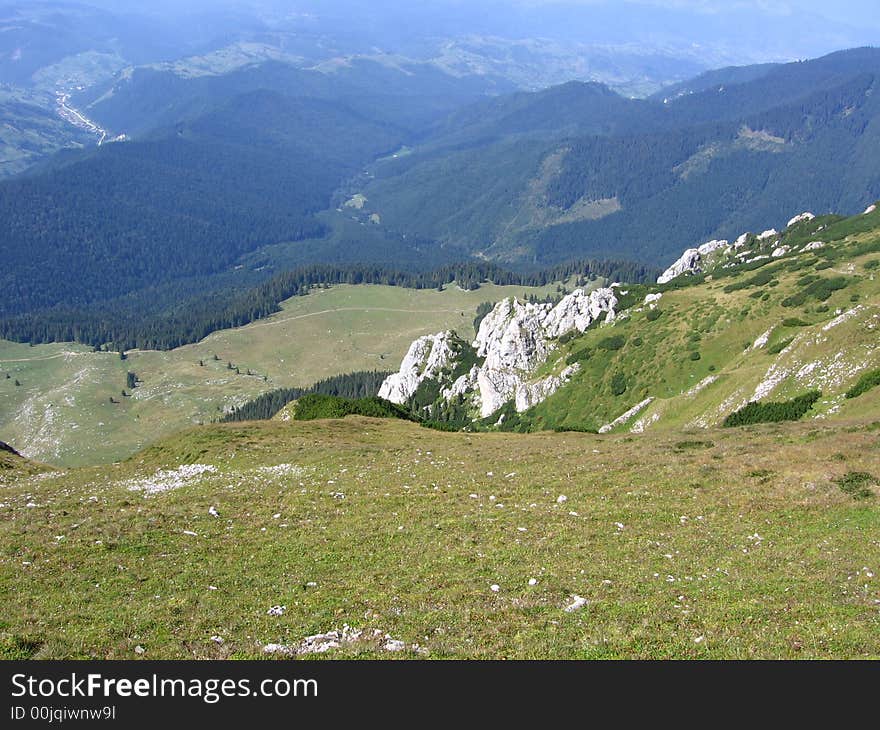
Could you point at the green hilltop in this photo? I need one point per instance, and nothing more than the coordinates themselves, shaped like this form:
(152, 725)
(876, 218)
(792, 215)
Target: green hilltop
(785, 319)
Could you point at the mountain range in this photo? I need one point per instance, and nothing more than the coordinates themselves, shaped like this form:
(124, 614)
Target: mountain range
(225, 179)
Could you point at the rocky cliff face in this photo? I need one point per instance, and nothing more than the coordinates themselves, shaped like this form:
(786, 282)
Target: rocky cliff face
(428, 356)
(513, 341)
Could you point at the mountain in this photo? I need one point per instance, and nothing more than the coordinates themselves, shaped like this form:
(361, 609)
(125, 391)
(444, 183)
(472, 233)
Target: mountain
(189, 203)
(714, 79)
(526, 183)
(226, 179)
(51, 49)
(406, 94)
(768, 319)
(212, 167)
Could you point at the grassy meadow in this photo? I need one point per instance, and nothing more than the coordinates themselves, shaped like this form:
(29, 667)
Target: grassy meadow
(61, 412)
(736, 543)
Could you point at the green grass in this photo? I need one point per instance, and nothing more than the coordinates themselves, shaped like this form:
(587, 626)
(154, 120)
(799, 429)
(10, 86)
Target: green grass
(697, 361)
(62, 413)
(374, 526)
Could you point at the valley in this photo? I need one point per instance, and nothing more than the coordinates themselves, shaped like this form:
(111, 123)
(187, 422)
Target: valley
(62, 414)
(499, 329)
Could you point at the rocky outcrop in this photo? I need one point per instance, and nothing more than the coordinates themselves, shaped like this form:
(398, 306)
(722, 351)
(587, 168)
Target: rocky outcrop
(511, 336)
(463, 384)
(691, 261)
(780, 252)
(579, 310)
(513, 341)
(620, 420)
(531, 394)
(800, 219)
(516, 338)
(428, 356)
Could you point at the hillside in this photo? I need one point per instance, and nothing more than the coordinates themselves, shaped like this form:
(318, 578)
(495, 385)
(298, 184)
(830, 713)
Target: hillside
(543, 177)
(407, 542)
(61, 412)
(14, 466)
(769, 318)
(230, 178)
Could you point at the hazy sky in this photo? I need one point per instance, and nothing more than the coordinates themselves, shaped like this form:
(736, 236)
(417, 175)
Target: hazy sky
(795, 28)
(853, 12)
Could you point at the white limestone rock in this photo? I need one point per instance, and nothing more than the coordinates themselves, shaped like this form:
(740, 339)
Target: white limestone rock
(689, 263)
(652, 299)
(870, 209)
(531, 394)
(712, 247)
(780, 251)
(768, 234)
(579, 310)
(691, 260)
(515, 339)
(620, 420)
(495, 388)
(511, 337)
(807, 216)
(462, 385)
(762, 340)
(741, 241)
(427, 357)
(813, 246)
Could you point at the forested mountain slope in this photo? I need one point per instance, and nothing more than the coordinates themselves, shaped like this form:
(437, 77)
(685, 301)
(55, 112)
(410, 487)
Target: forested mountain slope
(232, 178)
(186, 203)
(408, 95)
(642, 178)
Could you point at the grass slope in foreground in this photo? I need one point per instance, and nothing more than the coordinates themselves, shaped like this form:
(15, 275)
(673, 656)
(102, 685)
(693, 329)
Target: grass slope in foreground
(61, 412)
(733, 544)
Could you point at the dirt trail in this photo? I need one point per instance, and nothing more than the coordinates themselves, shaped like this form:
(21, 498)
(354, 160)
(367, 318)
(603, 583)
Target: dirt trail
(282, 320)
(46, 357)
